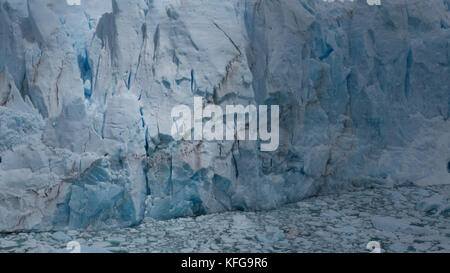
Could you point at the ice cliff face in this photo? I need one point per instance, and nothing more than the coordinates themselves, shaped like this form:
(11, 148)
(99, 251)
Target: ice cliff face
(86, 93)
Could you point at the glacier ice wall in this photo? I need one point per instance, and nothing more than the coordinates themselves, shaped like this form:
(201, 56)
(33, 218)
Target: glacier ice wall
(86, 93)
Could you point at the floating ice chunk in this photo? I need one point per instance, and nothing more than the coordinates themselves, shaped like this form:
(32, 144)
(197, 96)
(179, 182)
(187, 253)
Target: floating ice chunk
(61, 236)
(242, 222)
(399, 225)
(7, 244)
(433, 204)
(374, 2)
(332, 213)
(73, 2)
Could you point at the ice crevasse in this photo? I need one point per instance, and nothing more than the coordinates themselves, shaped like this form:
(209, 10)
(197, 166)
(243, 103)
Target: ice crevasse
(86, 93)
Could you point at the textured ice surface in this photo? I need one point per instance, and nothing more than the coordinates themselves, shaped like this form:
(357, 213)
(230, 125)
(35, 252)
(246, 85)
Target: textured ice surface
(388, 216)
(86, 93)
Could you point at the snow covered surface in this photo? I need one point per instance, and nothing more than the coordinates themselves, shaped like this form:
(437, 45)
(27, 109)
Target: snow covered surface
(336, 223)
(86, 93)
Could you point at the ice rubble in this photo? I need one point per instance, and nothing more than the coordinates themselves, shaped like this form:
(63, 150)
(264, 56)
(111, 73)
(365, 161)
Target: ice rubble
(384, 215)
(86, 93)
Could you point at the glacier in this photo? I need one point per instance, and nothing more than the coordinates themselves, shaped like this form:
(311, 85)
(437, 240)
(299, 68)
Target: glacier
(86, 93)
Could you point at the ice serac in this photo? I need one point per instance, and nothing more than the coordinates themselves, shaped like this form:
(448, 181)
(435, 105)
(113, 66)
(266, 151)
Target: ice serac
(86, 94)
